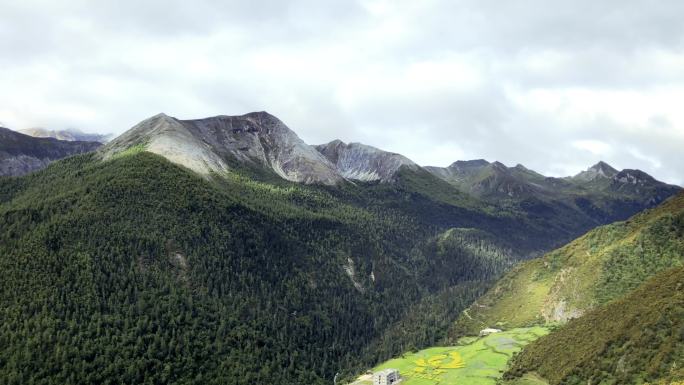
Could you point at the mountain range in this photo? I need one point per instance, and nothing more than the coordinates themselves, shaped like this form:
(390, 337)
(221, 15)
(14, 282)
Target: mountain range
(262, 145)
(260, 139)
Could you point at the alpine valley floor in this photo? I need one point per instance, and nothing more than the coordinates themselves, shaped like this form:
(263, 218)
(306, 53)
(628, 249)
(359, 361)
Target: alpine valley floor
(474, 361)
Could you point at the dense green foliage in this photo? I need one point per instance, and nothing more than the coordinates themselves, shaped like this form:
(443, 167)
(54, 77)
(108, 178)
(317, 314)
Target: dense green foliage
(138, 271)
(455, 253)
(636, 339)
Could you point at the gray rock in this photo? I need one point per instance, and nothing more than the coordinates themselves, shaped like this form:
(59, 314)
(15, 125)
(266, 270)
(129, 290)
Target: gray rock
(209, 145)
(600, 170)
(360, 162)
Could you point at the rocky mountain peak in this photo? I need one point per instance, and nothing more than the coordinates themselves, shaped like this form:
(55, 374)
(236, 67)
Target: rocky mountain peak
(467, 164)
(208, 145)
(361, 162)
(635, 177)
(600, 170)
(496, 165)
(604, 169)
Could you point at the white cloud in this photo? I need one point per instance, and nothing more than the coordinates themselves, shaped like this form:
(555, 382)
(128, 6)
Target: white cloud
(532, 82)
(595, 147)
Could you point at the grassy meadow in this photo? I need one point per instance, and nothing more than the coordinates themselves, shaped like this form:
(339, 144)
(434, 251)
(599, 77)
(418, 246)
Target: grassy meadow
(475, 361)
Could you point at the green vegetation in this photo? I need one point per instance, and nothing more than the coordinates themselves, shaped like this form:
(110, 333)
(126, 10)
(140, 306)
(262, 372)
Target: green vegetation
(598, 267)
(138, 271)
(475, 361)
(636, 339)
(138, 148)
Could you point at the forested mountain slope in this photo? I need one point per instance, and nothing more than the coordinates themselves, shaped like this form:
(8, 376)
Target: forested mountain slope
(635, 339)
(600, 266)
(136, 270)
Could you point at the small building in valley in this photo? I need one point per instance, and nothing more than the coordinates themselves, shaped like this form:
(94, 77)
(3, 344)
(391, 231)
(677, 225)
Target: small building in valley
(386, 377)
(488, 331)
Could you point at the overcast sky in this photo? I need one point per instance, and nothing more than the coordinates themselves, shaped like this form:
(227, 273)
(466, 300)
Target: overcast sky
(554, 85)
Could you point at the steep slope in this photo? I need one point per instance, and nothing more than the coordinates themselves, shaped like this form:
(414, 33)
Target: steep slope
(71, 134)
(598, 267)
(636, 339)
(212, 145)
(358, 161)
(21, 154)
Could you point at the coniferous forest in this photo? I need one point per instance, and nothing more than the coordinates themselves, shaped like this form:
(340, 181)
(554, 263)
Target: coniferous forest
(138, 271)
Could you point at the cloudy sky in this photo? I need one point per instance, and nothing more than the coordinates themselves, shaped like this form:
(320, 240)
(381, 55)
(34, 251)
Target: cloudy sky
(554, 85)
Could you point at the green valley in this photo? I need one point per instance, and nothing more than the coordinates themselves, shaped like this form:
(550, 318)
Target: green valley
(473, 361)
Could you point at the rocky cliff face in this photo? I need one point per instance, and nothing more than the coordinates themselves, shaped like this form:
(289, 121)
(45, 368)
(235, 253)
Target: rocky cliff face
(360, 162)
(211, 144)
(21, 154)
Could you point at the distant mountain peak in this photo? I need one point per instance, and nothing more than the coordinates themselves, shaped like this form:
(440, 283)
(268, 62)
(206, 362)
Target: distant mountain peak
(358, 161)
(600, 170)
(469, 163)
(604, 169)
(498, 166)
